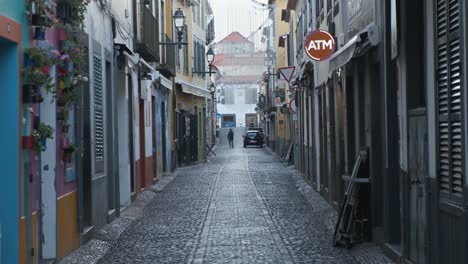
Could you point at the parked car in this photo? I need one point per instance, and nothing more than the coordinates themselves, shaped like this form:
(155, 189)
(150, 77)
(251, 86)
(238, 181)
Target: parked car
(253, 137)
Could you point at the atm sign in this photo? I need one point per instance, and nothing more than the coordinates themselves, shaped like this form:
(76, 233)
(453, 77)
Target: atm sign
(319, 45)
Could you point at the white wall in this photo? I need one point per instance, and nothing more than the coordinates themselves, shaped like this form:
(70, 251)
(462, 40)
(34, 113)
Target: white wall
(239, 108)
(122, 10)
(48, 168)
(148, 119)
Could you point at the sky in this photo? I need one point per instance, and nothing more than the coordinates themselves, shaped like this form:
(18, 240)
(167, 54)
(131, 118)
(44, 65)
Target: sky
(244, 16)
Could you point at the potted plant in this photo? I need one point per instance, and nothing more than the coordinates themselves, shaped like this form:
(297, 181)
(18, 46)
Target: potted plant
(39, 56)
(41, 135)
(68, 153)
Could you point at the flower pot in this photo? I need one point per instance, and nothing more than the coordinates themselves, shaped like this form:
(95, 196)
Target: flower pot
(39, 33)
(44, 143)
(28, 142)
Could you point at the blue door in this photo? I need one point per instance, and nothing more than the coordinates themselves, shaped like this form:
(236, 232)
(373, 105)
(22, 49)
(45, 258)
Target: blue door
(9, 154)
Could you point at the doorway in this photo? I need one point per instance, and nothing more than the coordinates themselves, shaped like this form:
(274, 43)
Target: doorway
(163, 135)
(122, 98)
(9, 111)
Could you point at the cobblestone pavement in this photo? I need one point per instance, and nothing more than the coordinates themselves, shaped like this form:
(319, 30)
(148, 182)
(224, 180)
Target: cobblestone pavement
(242, 206)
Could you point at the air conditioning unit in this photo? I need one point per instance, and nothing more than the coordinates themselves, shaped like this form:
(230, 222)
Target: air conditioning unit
(340, 40)
(145, 88)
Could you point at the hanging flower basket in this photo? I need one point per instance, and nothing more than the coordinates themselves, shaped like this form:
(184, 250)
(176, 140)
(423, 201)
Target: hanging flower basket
(44, 143)
(68, 153)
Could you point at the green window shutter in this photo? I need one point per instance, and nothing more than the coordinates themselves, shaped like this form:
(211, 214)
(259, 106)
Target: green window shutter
(449, 99)
(98, 115)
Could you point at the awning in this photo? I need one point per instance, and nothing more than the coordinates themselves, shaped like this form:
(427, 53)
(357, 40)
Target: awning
(298, 73)
(165, 82)
(193, 89)
(344, 55)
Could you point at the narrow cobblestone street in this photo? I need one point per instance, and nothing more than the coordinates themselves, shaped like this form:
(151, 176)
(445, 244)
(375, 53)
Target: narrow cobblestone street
(243, 206)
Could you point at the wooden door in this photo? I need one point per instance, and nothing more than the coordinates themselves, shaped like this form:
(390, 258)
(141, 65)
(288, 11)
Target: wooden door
(417, 192)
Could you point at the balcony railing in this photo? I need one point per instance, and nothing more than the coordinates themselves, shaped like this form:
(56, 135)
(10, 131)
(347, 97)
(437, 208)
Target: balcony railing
(168, 55)
(147, 41)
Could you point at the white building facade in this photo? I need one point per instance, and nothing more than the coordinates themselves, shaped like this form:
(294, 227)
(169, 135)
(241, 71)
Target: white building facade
(240, 67)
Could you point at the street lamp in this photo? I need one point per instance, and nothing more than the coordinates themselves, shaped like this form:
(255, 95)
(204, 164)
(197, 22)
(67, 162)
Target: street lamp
(210, 56)
(269, 64)
(179, 23)
(212, 89)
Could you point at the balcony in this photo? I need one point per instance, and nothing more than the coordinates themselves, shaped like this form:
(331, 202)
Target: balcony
(147, 32)
(168, 55)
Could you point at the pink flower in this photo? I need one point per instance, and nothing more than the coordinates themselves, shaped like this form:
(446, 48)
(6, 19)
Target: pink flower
(64, 57)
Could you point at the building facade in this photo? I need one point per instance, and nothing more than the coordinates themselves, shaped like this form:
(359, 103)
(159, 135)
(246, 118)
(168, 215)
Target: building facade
(99, 88)
(373, 96)
(240, 67)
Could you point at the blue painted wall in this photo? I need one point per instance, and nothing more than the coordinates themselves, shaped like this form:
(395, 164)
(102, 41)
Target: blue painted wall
(9, 114)
(14, 9)
(9, 161)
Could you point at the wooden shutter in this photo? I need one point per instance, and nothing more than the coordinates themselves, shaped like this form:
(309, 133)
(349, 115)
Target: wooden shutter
(98, 115)
(449, 99)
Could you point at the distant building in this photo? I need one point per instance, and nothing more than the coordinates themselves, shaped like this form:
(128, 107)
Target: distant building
(240, 68)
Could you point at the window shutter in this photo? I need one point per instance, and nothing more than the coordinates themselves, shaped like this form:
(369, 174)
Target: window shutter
(449, 99)
(98, 115)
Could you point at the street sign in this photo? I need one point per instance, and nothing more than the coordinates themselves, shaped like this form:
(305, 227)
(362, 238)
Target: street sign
(287, 72)
(292, 106)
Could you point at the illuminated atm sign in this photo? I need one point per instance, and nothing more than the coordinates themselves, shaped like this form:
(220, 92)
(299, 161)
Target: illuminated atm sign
(319, 45)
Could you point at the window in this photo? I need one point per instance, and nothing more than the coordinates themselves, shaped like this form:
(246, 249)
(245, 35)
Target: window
(185, 50)
(449, 94)
(318, 11)
(98, 115)
(250, 95)
(229, 96)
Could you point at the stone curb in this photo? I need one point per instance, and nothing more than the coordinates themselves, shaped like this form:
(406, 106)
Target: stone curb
(108, 236)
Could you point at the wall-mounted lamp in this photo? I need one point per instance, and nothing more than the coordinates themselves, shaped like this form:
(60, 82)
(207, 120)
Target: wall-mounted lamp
(179, 23)
(210, 56)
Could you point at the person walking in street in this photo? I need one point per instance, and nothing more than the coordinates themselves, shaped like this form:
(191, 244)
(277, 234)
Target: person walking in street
(231, 138)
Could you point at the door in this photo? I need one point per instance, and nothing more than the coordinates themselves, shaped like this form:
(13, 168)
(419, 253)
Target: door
(155, 157)
(163, 136)
(417, 191)
(123, 136)
(141, 167)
